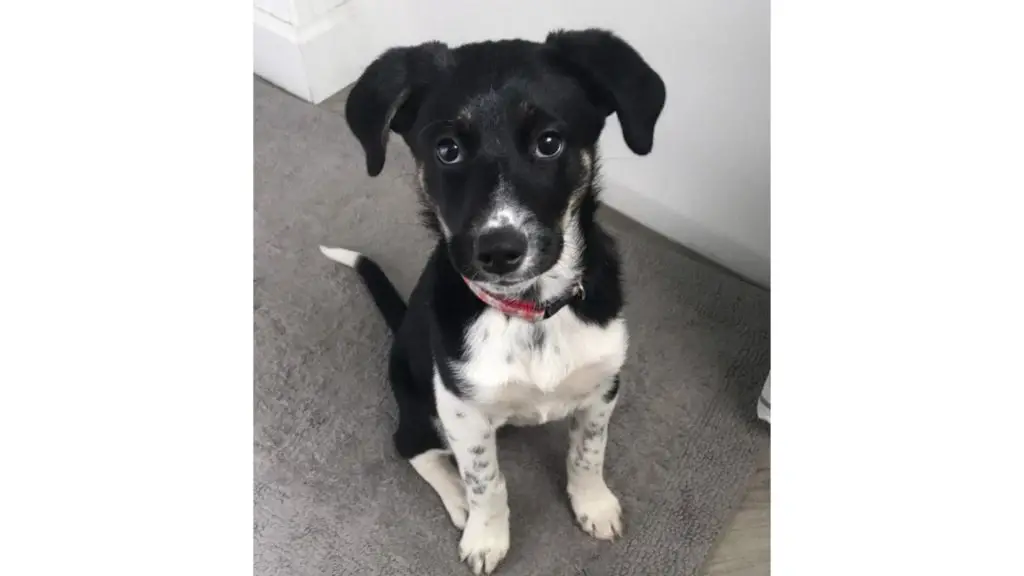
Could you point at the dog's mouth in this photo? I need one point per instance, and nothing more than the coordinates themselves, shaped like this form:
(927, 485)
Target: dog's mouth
(504, 286)
(509, 281)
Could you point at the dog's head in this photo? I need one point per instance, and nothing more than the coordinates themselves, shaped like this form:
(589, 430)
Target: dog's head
(504, 135)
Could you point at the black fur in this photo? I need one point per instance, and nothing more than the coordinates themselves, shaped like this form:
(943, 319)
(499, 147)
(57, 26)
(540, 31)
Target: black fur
(388, 299)
(387, 96)
(497, 101)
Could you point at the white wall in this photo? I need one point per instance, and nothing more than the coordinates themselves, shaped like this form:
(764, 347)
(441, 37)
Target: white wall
(706, 184)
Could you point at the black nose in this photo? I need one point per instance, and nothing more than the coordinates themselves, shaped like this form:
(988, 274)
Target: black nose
(500, 251)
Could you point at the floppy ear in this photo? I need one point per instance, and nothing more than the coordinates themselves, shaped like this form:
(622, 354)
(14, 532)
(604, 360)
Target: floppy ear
(617, 78)
(388, 94)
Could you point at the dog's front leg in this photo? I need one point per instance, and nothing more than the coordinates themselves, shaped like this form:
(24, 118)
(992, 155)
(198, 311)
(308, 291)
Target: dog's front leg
(471, 437)
(596, 507)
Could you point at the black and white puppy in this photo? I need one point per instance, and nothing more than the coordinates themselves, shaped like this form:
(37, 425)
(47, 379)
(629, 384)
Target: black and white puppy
(516, 318)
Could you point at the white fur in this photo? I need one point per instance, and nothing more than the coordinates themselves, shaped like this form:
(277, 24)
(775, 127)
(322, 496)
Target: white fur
(347, 257)
(513, 380)
(504, 215)
(505, 211)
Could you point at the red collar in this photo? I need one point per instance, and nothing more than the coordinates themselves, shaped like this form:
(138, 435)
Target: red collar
(529, 311)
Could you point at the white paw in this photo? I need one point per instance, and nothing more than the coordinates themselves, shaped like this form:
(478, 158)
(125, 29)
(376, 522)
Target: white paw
(597, 510)
(484, 543)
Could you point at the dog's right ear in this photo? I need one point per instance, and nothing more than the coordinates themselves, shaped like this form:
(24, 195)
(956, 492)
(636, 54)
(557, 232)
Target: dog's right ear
(388, 94)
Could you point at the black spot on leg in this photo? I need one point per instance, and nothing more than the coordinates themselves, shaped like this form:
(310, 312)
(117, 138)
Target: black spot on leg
(480, 489)
(487, 435)
(471, 479)
(480, 464)
(477, 450)
(580, 464)
(460, 414)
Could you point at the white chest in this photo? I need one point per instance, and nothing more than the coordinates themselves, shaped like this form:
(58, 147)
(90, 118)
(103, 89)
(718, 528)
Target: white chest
(523, 373)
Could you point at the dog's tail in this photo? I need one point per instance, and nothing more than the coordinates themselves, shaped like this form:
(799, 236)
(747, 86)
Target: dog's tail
(381, 289)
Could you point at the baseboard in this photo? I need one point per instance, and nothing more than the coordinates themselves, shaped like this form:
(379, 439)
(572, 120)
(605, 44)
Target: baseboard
(342, 43)
(277, 55)
(319, 59)
(675, 226)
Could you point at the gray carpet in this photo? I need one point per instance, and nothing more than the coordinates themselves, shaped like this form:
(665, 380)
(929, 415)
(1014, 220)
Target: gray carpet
(332, 497)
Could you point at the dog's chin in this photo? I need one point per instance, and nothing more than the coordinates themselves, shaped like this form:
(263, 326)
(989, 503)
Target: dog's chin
(508, 287)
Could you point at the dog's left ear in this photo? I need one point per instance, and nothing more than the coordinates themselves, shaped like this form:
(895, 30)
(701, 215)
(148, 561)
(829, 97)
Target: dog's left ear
(618, 79)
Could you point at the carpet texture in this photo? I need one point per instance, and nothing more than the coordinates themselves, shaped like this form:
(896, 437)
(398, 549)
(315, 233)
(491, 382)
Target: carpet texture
(330, 494)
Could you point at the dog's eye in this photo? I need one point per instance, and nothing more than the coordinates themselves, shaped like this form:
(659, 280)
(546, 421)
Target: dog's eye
(448, 151)
(549, 145)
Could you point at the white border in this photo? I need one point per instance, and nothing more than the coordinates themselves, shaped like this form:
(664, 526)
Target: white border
(127, 236)
(126, 362)
(896, 186)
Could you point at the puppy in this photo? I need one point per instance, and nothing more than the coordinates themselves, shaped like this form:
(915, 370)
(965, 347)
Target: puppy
(516, 318)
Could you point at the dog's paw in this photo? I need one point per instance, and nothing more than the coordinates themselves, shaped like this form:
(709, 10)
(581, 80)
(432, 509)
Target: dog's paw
(597, 510)
(484, 543)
